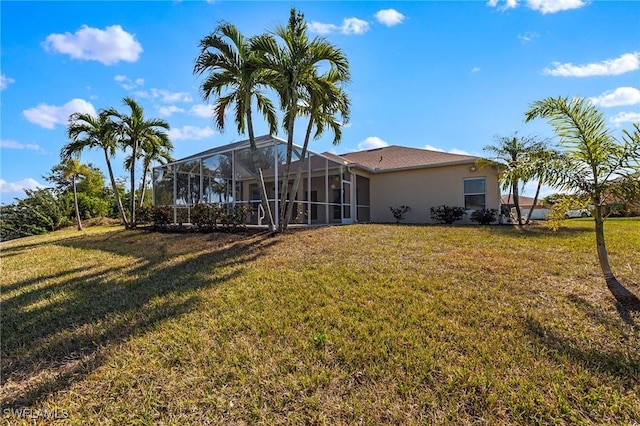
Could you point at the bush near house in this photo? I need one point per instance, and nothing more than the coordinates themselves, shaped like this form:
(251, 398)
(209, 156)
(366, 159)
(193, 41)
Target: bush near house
(484, 216)
(447, 214)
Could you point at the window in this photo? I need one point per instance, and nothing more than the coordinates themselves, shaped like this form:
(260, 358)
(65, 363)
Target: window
(474, 194)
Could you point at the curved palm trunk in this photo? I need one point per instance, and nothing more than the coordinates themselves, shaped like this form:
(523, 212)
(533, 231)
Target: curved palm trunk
(296, 182)
(623, 296)
(535, 201)
(75, 202)
(516, 201)
(285, 177)
(256, 165)
(143, 185)
(116, 194)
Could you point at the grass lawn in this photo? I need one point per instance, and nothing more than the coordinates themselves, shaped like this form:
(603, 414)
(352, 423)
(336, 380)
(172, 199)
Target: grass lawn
(371, 324)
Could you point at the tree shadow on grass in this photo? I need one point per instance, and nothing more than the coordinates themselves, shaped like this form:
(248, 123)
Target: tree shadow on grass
(55, 336)
(596, 359)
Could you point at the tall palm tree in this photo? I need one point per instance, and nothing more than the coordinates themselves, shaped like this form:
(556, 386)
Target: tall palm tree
(594, 159)
(135, 130)
(511, 154)
(321, 104)
(293, 67)
(89, 131)
(155, 149)
(234, 78)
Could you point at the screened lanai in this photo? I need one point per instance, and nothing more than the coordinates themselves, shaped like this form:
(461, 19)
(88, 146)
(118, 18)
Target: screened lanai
(330, 191)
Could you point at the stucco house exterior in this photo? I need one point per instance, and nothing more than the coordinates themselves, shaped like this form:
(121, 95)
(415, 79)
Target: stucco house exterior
(335, 189)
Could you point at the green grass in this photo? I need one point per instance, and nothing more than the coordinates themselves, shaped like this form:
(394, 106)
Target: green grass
(371, 324)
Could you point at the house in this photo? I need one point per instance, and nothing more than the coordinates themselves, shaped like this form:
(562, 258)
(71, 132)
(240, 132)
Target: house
(334, 189)
(526, 204)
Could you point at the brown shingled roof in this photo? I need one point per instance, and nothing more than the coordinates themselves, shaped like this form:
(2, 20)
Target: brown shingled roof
(400, 157)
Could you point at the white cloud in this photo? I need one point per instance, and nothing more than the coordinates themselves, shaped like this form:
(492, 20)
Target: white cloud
(625, 63)
(19, 186)
(165, 95)
(127, 83)
(475, 69)
(619, 97)
(354, 26)
(349, 26)
(390, 17)
(528, 36)
(202, 110)
(542, 6)
(372, 142)
(48, 116)
(11, 144)
(625, 117)
(109, 46)
(191, 133)
(451, 151)
(5, 81)
(166, 111)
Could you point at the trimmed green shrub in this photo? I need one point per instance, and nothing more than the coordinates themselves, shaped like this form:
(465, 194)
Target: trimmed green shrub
(447, 214)
(484, 216)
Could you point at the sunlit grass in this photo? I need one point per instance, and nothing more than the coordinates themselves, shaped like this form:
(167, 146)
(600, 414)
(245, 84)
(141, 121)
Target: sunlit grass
(358, 324)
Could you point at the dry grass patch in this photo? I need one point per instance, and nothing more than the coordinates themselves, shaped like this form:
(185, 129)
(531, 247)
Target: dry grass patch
(358, 324)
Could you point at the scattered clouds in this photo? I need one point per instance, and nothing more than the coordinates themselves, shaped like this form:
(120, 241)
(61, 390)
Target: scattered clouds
(542, 6)
(164, 95)
(167, 111)
(191, 133)
(202, 110)
(11, 144)
(389, 17)
(529, 36)
(625, 63)
(372, 142)
(349, 26)
(19, 186)
(109, 46)
(451, 151)
(475, 69)
(5, 81)
(625, 117)
(127, 83)
(619, 97)
(48, 116)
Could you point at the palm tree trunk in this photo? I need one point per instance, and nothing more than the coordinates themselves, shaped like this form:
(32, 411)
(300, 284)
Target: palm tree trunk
(143, 185)
(296, 182)
(132, 203)
(287, 167)
(256, 165)
(116, 194)
(535, 201)
(623, 296)
(516, 202)
(75, 202)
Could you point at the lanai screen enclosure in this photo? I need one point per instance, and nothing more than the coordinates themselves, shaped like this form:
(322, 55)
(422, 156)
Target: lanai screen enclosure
(329, 191)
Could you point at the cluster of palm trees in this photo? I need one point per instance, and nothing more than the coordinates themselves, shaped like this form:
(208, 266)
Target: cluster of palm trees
(110, 131)
(306, 74)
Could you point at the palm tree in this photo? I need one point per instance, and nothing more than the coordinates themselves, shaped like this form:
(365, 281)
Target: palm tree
(594, 159)
(321, 104)
(511, 154)
(234, 78)
(539, 165)
(155, 149)
(134, 130)
(71, 169)
(293, 69)
(89, 131)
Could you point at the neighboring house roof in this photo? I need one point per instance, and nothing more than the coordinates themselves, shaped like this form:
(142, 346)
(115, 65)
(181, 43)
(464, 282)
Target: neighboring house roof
(391, 158)
(523, 201)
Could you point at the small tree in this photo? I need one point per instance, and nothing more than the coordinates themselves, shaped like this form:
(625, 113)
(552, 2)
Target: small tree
(447, 214)
(593, 160)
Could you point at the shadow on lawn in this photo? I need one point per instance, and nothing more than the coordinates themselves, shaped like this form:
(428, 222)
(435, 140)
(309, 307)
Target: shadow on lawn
(48, 344)
(596, 359)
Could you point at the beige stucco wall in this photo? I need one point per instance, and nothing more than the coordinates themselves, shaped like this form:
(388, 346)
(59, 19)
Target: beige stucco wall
(422, 189)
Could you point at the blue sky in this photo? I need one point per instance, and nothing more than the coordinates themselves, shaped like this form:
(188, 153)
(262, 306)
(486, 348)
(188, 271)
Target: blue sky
(442, 75)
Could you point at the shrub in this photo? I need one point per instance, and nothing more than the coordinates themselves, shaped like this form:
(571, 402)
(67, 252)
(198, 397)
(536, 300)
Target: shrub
(484, 216)
(398, 212)
(161, 215)
(447, 214)
(144, 214)
(204, 216)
